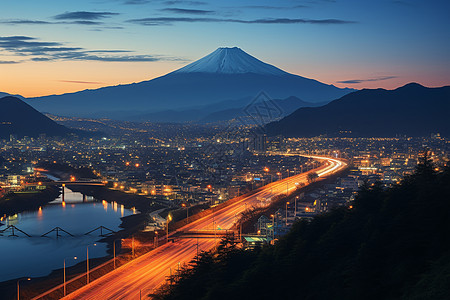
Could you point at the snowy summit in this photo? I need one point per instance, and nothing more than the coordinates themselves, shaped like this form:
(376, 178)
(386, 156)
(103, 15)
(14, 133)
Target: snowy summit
(230, 61)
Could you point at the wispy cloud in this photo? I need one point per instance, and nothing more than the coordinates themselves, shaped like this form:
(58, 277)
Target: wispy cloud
(187, 11)
(84, 15)
(167, 2)
(356, 81)
(269, 7)
(173, 20)
(36, 50)
(39, 22)
(8, 62)
(24, 22)
(184, 2)
(82, 82)
(136, 2)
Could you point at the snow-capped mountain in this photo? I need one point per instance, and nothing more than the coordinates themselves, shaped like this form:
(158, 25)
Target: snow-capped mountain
(230, 61)
(221, 78)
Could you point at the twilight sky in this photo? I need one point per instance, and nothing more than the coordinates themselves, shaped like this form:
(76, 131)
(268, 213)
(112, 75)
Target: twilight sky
(58, 46)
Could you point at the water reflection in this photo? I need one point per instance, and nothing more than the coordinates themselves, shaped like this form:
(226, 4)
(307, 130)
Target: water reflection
(36, 255)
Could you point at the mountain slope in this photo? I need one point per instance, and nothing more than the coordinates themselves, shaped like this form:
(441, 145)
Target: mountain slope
(230, 61)
(286, 106)
(219, 112)
(224, 75)
(411, 110)
(18, 118)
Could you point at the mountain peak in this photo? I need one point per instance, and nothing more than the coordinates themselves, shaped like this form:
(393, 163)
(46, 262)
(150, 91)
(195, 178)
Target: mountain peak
(230, 61)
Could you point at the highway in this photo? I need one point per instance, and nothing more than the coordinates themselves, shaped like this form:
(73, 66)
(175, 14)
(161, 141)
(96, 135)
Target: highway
(144, 274)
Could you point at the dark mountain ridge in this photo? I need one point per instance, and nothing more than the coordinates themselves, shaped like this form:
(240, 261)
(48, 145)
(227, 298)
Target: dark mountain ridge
(20, 119)
(412, 110)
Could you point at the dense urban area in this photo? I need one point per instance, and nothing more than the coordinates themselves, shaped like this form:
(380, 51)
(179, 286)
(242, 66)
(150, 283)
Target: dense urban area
(196, 167)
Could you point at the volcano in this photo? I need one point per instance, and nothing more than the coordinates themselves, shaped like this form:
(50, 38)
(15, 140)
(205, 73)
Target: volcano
(223, 79)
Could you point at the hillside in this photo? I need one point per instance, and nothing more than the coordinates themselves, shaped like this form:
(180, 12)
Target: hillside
(20, 119)
(393, 244)
(411, 110)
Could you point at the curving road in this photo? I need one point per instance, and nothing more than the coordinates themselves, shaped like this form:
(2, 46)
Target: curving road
(147, 272)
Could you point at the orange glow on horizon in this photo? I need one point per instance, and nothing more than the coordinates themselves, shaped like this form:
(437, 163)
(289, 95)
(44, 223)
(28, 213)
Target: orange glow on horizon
(35, 79)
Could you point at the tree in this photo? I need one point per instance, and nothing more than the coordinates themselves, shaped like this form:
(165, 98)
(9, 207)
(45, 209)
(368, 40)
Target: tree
(312, 177)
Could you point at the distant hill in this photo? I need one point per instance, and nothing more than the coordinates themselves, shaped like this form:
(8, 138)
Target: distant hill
(2, 94)
(220, 112)
(411, 110)
(224, 76)
(286, 107)
(19, 118)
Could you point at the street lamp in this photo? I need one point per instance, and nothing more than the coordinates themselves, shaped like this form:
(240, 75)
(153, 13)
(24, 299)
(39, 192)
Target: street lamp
(169, 218)
(287, 203)
(273, 227)
(64, 273)
(156, 239)
(87, 262)
(187, 212)
(114, 251)
(18, 290)
(295, 208)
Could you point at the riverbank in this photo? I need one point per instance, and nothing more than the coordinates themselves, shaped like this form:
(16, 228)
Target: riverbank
(130, 226)
(14, 203)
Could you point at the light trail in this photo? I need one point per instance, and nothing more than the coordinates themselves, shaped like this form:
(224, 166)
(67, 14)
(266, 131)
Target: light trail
(150, 270)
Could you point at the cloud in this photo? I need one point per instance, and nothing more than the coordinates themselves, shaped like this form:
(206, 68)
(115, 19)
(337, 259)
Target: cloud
(176, 2)
(172, 20)
(187, 11)
(84, 15)
(356, 81)
(8, 62)
(269, 7)
(84, 22)
(168, 2)
(24, 22)
(82, 82)
(37, 50)
(136, 2)
(41, 59)
(38, 22)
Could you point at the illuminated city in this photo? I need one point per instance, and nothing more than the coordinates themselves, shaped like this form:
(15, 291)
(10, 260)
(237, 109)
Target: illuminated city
(289, 150)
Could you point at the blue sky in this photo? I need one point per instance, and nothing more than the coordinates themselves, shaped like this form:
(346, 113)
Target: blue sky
(49, 47)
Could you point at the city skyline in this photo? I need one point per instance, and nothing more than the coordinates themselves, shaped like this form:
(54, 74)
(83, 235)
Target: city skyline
(344, 43)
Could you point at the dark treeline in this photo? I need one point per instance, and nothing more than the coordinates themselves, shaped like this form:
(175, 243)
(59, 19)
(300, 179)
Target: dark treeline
(393, 244)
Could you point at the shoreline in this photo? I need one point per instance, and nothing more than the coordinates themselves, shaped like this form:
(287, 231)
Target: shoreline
(130, 226)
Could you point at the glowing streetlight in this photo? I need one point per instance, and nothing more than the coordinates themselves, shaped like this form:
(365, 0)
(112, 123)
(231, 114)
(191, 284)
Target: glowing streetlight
(87, 262)
(273, 227)
(114, 251)
(287, 203)
(187, 212)
(64, 273)
(18, 290)
(169, 218)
